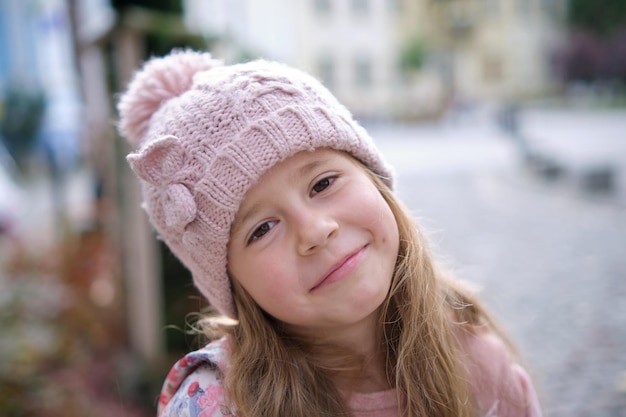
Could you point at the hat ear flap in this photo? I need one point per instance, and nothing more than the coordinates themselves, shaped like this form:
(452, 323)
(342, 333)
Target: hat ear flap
(159, 161)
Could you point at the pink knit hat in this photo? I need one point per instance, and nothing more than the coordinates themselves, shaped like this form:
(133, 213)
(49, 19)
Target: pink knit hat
(206, 132)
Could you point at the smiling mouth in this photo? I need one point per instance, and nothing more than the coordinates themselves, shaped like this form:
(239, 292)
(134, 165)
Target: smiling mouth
(342, 268)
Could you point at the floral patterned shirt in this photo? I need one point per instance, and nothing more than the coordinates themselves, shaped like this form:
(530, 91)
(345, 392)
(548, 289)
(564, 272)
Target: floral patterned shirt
(193, 387)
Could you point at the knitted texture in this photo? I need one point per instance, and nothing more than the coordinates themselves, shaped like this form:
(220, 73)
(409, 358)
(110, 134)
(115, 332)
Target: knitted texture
(204, 133)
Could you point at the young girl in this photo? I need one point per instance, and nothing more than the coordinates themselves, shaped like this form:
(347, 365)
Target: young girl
(282, 208)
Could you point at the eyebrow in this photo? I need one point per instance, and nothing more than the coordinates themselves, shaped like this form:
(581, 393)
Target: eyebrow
(309, 167)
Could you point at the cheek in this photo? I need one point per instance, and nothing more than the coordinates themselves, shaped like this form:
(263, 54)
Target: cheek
(385, 229)
(375, 211)
(389, 240)
(261, 277)
(390, 225)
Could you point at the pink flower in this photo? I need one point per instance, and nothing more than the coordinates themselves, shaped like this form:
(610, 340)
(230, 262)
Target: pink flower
(193, 388)
(209, 401)
(183, 362)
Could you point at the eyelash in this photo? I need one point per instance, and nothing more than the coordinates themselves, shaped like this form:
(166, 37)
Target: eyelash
(265, 227)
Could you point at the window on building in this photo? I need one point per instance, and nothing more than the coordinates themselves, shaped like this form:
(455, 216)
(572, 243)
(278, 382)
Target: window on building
(492, 69)
(492, 7)
(394, 6)
(363, 72)
(360, 7)
(554, 9)
(525, 8)
(326, 68)
(322, 6)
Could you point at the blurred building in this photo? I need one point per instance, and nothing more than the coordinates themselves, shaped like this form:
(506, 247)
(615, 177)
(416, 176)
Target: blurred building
(36, 56)
(352, 46)
(396, 59)
(497, 50)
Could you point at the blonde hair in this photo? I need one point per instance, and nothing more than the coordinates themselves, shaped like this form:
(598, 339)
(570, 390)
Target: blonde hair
(274, 373)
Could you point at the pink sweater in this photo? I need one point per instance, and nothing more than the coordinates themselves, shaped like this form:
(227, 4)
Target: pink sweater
(502, 388)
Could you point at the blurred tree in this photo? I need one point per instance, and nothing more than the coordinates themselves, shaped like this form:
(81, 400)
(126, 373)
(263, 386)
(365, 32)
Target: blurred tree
(161, 42)
(596, 48)
(21, 119)
(412, 55)
(159, 28)
(616, 55)
(170, 6)
(582, 58)
(602, 17)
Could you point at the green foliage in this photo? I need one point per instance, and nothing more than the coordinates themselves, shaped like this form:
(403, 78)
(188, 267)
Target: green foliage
(598, 16)
(412, 55)
(21, 119)
(245, 55)
(161, 42)
(170, 6)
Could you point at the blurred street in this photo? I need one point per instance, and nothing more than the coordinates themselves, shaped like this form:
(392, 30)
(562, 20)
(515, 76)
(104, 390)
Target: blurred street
(505, 122)
(547, 253)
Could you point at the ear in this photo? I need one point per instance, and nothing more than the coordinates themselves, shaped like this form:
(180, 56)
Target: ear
(158, 162)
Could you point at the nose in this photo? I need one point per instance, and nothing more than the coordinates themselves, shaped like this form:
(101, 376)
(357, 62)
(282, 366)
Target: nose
(314, 230)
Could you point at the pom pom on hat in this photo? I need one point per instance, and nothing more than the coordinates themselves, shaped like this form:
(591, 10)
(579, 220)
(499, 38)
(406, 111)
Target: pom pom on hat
(205, 133)
(160, 80)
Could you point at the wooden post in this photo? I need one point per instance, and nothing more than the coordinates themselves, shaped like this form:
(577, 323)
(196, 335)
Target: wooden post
(141, 265)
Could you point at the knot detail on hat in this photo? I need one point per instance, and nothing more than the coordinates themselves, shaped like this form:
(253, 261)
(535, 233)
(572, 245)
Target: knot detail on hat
(161, 163)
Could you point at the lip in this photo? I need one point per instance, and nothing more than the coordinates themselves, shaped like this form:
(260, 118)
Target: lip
(342, 268)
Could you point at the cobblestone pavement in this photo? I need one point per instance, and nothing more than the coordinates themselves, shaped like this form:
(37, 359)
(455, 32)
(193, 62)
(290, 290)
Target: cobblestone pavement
(549, 259)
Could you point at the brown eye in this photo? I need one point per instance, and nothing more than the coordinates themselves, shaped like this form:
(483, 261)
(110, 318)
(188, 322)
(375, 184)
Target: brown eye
(260, 231)
(322, 184)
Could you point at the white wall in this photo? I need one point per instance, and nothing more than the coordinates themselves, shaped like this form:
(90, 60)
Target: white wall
(295, 32)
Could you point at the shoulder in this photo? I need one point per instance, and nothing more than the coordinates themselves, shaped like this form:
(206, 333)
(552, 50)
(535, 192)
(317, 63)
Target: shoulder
(500, 385)
(194, 385)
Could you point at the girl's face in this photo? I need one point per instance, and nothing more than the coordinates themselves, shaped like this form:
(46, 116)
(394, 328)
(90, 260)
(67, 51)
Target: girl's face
(315, 244)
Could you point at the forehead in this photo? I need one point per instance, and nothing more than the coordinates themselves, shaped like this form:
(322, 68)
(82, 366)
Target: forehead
(302, 161)
(289, 171)
(298, 166)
